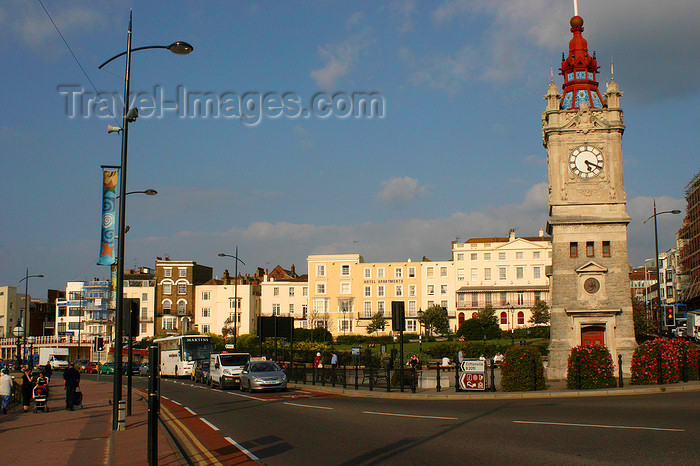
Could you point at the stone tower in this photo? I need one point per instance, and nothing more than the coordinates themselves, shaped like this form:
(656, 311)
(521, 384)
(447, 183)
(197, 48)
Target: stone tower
(582, 132)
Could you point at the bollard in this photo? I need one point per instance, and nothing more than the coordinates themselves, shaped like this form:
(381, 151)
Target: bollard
(619, 367)
(323, 376)
(457, 378)
(413, 380)
(332, 376)
(121, 418)
(438, 387)
(493, 377)
(357, 380)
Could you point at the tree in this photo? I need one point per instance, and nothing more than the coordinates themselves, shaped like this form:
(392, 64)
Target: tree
(435, 318)
(487, 316)
(378, 322)
(228, 326)
(540, 313)
(642, 325)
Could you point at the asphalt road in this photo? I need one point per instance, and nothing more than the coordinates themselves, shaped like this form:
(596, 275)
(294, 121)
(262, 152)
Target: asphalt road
(311, 428)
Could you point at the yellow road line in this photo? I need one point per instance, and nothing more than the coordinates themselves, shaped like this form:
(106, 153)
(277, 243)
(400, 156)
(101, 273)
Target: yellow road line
(194, 443)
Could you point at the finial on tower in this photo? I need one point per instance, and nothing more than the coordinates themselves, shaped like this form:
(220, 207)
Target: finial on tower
(612, 68)
(575, 7)
(551, 72)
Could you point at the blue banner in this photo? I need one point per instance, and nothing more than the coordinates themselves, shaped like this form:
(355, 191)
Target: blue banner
(109, 207)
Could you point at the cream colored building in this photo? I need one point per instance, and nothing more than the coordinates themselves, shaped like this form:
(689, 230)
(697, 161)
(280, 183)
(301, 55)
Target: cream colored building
(11, 304)
(215, 302)
(506, 273)
(141, 285)
(437, 287)
(287, 298)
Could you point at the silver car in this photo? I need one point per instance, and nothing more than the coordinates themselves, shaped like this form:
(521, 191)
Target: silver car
(263, 375)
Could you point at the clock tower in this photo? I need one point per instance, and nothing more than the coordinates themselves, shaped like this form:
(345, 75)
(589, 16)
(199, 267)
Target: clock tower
(582, 132)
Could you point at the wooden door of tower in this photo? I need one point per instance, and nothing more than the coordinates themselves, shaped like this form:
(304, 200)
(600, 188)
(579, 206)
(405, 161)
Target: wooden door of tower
(593, 335)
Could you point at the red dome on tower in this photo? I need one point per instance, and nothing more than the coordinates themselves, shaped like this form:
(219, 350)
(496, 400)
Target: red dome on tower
(579, 70)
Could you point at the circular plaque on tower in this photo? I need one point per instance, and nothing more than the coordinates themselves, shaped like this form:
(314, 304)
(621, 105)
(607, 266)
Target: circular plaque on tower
(591, 285)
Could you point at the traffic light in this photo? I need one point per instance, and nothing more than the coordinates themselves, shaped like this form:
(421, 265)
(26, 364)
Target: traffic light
(670, 317)
(398, 320)
(99, 344)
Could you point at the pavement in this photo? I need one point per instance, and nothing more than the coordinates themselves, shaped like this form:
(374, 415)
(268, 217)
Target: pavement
(84, 436)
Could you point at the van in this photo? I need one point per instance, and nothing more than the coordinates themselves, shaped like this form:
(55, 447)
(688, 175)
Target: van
(225, 369)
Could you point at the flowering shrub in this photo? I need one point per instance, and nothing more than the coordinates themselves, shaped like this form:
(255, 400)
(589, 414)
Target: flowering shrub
(516, 371)
(664, 359)
(595, 365)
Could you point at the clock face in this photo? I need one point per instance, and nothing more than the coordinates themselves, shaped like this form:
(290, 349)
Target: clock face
(591, 285)
(586, 162)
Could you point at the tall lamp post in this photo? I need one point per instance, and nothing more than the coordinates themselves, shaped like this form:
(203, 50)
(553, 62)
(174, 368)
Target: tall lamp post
(658, 268)
(129, 115)
(235, 291)
(27, 321)
(511, 314)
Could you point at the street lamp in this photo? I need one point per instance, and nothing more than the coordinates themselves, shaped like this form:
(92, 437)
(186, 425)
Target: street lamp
(18, 332)
(511, 313)
(129, 115)
(235, 291)
(27, 321)
(658, 268)
(420, 330)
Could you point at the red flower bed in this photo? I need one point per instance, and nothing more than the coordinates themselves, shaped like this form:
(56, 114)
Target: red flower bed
(595, 365)
(663, 360)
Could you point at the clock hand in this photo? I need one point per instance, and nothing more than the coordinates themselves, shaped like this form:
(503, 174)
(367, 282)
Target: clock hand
(591, 164)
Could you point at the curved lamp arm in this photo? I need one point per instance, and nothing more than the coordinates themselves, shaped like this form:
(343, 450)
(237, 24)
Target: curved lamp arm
(179, 47)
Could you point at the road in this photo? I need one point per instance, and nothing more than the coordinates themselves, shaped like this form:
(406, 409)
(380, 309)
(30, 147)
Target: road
(305, 427)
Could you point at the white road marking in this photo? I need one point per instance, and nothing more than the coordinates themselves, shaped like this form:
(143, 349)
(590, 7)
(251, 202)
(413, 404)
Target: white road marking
(191, 412)
(411, 415)
(165, 397)
(247, 396)
(306, 406)
(209, 423)
(601, 426)
(176, 402)
(243, 449)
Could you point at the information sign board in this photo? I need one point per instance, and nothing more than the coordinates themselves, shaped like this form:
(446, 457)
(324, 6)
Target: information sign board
(473, 375)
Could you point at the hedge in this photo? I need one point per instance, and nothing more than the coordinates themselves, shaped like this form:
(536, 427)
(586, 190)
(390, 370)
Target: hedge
(672, 355)
(516, 371)
(595, 365)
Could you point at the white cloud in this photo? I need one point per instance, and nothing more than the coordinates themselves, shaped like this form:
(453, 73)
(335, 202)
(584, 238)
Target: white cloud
(448, 72)
(400, 190)
(340, 59)
(303, 137)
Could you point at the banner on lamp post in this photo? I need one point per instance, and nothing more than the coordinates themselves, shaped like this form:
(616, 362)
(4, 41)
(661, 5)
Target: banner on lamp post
(109, 203)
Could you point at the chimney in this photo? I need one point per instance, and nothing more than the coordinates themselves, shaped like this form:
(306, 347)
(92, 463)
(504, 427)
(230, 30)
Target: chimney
(511, 235)
(541, 233)
(294, 274)
(226, 278)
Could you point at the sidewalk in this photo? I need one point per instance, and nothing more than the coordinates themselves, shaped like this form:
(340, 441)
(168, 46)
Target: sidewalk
(83, 436)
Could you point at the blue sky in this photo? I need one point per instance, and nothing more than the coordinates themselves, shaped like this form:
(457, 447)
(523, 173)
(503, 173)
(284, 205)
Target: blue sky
(457, 153)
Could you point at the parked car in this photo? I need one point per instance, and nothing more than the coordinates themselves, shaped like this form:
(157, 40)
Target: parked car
(200, 371)
(107, 368)
(263, 375)
(79, 364)
(143, 369)
(134, 367)
(90, 368)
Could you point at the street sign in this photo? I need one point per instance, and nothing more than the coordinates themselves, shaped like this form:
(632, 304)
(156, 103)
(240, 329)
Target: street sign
(230, 346)
(473, 375)
(355, 350)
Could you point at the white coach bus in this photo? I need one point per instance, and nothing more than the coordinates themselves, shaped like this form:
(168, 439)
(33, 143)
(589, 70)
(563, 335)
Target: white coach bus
(178, 353)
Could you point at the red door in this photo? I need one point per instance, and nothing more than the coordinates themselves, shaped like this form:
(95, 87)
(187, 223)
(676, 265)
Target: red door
(593, 335)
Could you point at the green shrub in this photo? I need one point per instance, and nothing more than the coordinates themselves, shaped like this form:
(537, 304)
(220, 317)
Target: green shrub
(595, 365)
(516, 371)
(472, 329)
(529, 332)
(470, 349)
(671, 354)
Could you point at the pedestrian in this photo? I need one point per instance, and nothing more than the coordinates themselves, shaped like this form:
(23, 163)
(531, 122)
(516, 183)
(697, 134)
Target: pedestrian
(498, 359)
(27, 387)
(317, 361)
(460, 356)
(71, 380)
(334, 359)
(47, 372)
(482, 358)
(5, 388)
(446, 361)
(414, 362)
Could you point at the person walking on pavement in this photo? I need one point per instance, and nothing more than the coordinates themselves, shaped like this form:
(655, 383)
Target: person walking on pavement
(334, 359)
(5, 389)
(460, 357)
(71, 380)
(27, 387)
(47, 372)
(317, 361)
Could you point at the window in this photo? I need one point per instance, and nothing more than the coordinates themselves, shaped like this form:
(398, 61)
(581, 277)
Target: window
(205, 328)
(291, 309)
(411, 290)
(367, 309)
(461, 299)
(411, 272)
(504, 298)
(475, 299)
(411, 325)
(291, 291)
(538, 296)
(73, 325)
(521, 298)
(206, 295)
(380, 290)
(181, 272)
(502, 273)
(487, 273)
(475, 273)
(398, 273)
(346, 325)
(501, 256)
(169, 323)
(606, 248)
(144, 297)
(320, 288)
(182, 307)
(144, 328)
(345, 288)
(380, 307)
(399, 290)
(504, 318)
(320, 270)
(429, 272)
(521, 318)
(487, 256)
(345, 270)
(443, 290)
(573, 249)
(305, 291)
(368, 272)
(431, 290)
(232, 303)
(460, 256)
(168, 273)
(275, 309)
(144, 313)
(460, 275)
(167, 288)
(590, 251)
(474, 256)
(536, 255)
(443, 304)
(488, 298)
(182, 288)
(536, 272)
(412, 305)
(368, 291)
(443, 271)
(519, 255)
(167, 304)
(205, 312)
(276, 291)
(520, 273)
(321, 305)
(380, 272)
